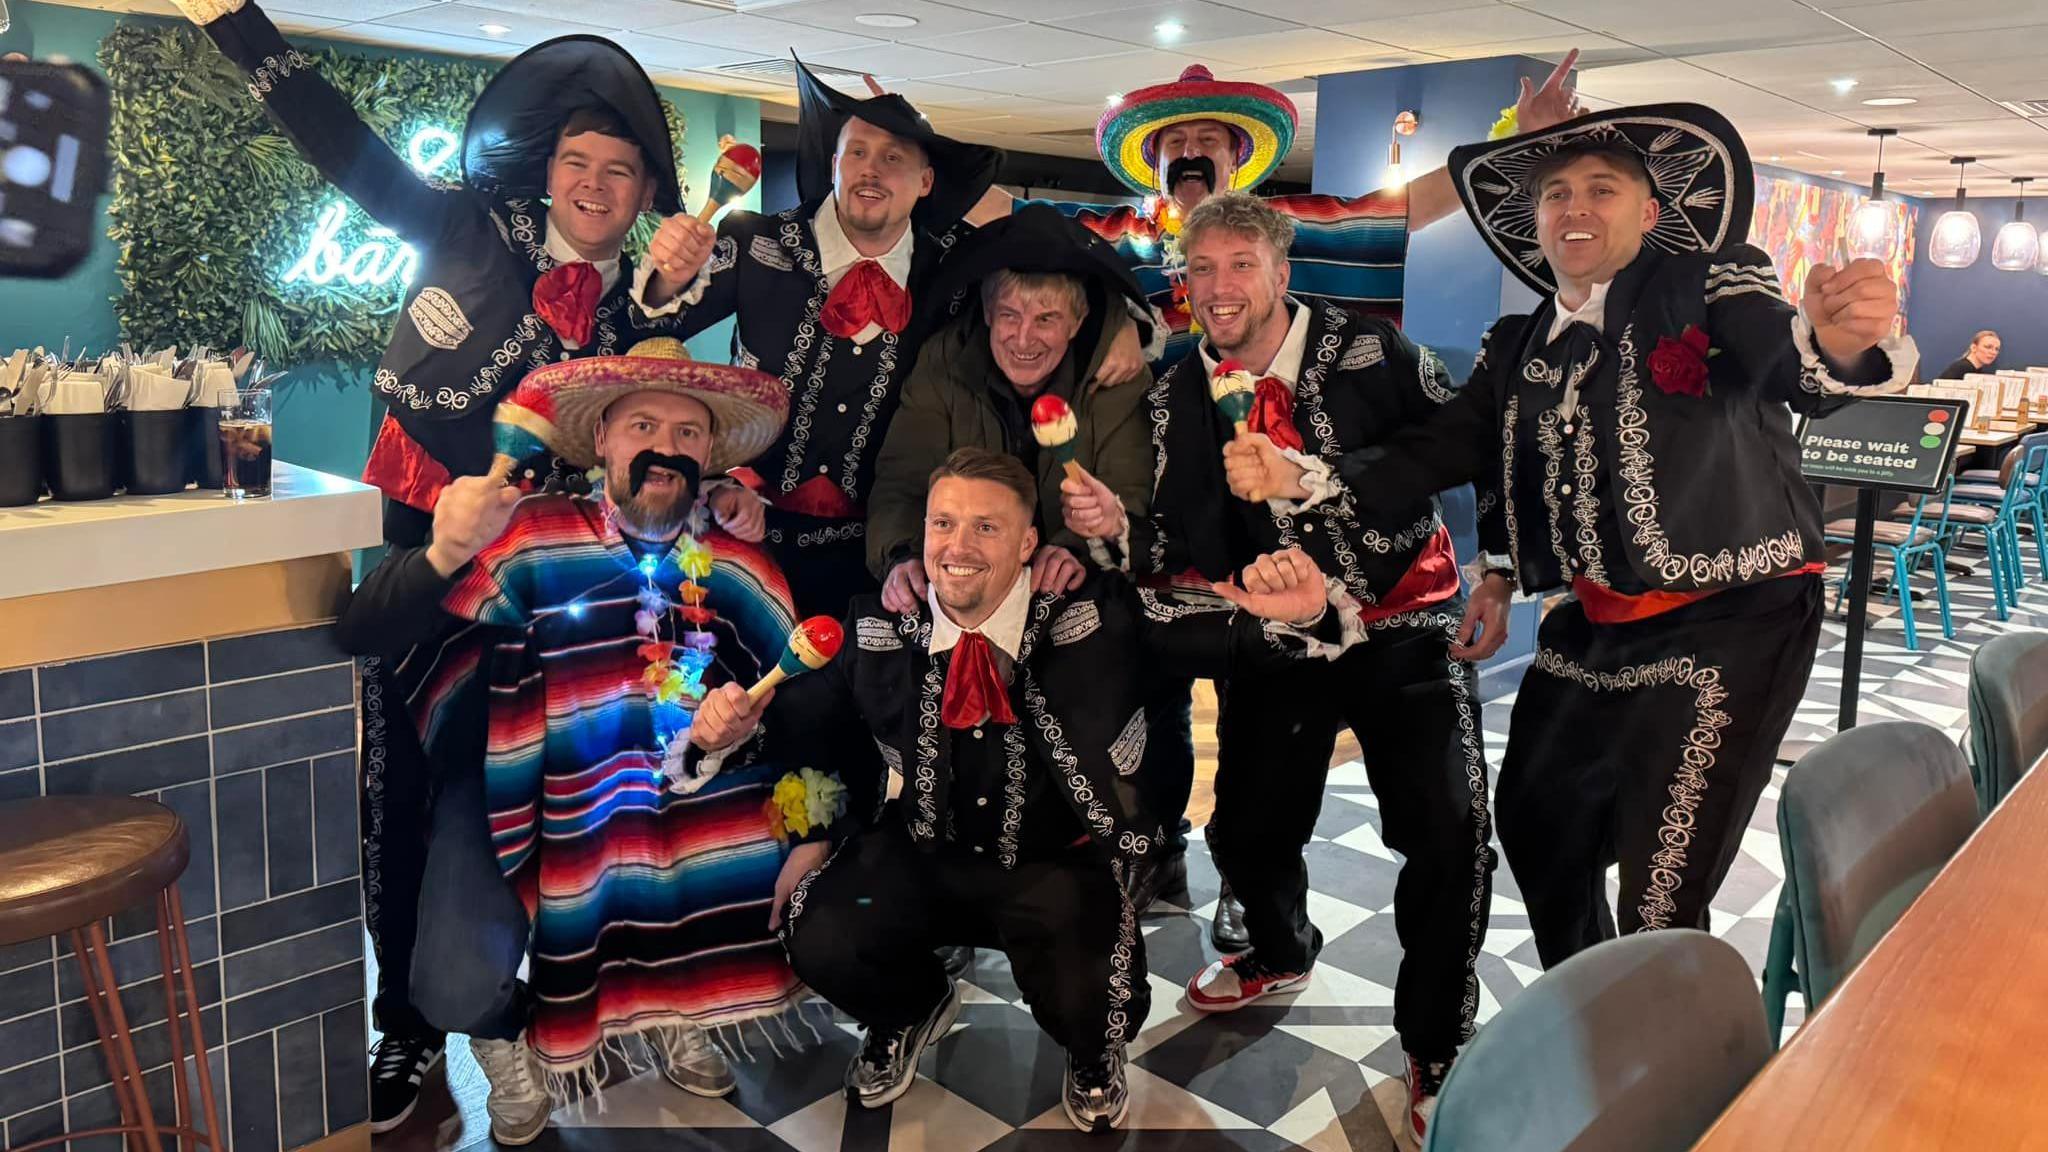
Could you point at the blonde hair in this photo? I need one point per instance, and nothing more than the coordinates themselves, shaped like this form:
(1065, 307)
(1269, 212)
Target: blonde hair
(1243, 214)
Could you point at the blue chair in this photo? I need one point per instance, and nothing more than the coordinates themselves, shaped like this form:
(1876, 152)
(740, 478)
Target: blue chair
(2017, 497)
(1864, 823)
(1580, 1060)
(1908, 543)
(1972, 507)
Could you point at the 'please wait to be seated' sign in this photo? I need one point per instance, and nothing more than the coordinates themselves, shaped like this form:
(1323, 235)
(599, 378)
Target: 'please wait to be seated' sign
(1895, 442)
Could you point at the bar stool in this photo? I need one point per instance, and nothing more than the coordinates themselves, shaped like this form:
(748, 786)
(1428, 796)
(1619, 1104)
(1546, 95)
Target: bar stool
(67, 864)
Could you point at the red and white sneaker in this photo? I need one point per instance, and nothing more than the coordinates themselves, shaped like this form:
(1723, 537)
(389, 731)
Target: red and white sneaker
(1235, 981)
(1424, 1082)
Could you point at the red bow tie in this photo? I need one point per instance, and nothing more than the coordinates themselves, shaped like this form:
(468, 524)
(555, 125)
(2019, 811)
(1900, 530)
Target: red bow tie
(1273, 414)
(866, 295)
(566, 297)
(973, 690)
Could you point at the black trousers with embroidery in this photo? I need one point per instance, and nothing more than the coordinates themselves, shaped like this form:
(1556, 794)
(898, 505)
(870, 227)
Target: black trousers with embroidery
(1415, 712)
(825, 561)
(1647, 744)
(861, 932)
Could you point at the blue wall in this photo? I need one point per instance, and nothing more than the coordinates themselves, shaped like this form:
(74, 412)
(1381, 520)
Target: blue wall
(325, 413)
(1456, 287)
(1950, 305)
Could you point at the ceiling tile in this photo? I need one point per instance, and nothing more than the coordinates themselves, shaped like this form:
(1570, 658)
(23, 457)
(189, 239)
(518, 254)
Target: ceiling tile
(1200, 22)
(1301, 46)
(765, 37)
(465, 21)
(345, 11)
(1970, 48)
(893, 62)
(656, 52)
(1044, 10)
(1921, 17)
(1452, 28)
(1027, 44)
(419, 41)
(1324, 13)
(933, 19)
(624, 15)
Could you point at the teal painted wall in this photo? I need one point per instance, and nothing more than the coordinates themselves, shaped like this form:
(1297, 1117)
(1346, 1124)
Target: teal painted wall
(325, 413)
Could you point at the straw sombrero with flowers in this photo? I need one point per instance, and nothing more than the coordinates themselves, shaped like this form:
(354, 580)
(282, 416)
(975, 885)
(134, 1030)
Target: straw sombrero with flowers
(556, 408)
(1261, 117)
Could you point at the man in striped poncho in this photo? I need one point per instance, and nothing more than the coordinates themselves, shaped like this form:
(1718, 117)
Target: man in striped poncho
(639, 884)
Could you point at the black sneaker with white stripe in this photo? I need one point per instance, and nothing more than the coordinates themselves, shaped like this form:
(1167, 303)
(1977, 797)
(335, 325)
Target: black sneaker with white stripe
(397, 1065)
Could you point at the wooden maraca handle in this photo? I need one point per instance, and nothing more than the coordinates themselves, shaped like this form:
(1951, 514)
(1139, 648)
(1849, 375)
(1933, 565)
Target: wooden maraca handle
(501, 468)
(710, 209)
(1074, 470)
(766, 683)
(1241, 426)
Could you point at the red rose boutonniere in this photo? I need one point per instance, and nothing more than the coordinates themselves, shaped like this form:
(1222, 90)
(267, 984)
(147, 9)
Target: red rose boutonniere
(1679, 366)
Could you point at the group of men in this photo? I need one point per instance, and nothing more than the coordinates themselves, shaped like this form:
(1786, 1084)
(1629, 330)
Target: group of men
(565, 769)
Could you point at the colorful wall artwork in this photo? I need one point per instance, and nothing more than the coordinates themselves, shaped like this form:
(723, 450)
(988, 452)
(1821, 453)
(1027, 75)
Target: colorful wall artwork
(1802, 224)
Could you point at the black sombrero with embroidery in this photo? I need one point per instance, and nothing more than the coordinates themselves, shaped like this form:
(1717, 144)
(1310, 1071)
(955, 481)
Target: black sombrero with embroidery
(1699, 172)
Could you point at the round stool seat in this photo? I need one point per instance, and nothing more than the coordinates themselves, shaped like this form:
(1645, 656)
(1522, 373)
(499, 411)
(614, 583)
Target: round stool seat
(66, 861)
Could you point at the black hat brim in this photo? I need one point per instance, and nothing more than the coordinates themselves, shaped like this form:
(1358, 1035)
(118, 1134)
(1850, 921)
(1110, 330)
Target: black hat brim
(961, 172)
(1700, 174)
(514, 124)
(1037, 238)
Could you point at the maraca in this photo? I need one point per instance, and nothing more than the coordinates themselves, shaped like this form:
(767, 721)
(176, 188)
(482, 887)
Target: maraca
(812, 645)
(737, 171)
(521, 427)
(1054, 427)
(1233, 389)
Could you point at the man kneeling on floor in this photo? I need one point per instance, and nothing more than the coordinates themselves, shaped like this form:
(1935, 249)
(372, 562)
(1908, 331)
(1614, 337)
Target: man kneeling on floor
(1018, 723)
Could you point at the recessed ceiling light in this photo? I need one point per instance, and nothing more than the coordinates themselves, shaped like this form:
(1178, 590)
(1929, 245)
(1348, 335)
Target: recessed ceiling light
(1114, 99)
(1834, 171)
(885, 20)
(1169, 29)
(1889, 101)
(492, 29)
(1774, 157)
(1843, 85)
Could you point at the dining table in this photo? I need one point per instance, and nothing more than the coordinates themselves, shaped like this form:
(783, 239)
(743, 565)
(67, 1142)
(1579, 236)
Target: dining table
(1936, 1040)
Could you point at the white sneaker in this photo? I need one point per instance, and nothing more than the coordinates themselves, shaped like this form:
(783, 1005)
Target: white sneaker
(519, 1103)
(692, 1062)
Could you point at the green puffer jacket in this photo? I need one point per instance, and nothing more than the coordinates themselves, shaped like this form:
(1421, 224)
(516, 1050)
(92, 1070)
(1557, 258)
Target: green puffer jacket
(947, 405)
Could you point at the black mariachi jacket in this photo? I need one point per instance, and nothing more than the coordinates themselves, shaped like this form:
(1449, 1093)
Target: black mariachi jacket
(766, 271)
(1638, 487)
(467, 332)
(1077, 688)
(1361, 383)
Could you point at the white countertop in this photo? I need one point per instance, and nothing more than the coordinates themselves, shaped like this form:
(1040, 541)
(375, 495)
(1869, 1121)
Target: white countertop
(60, 547)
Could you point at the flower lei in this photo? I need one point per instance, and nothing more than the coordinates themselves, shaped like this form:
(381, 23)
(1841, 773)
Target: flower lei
(1508, 125)
(675, 667)
(803, 800)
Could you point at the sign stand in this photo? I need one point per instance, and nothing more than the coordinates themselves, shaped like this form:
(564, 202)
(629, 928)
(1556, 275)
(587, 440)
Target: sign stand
(1879, 444)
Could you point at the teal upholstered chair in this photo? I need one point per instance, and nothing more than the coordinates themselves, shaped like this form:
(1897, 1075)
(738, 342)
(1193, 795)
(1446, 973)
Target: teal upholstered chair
(2008, 712)
(1579, 1060)
(1864, 823)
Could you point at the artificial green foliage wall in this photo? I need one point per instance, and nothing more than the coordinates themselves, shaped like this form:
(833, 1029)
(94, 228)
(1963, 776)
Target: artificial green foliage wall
(211, 204)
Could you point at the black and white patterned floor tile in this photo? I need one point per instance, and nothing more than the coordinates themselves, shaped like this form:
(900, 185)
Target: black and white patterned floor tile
(1320, 1071)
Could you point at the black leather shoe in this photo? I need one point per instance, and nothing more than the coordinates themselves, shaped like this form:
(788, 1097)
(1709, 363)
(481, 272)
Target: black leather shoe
(1227, 931)
(957, 958)
(1166, 875)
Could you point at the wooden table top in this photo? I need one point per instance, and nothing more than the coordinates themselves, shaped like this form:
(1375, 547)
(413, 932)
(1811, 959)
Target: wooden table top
(1936, 1041)
(1988, 439)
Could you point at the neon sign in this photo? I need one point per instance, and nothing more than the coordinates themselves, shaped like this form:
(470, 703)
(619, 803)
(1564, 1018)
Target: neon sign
(382, 257)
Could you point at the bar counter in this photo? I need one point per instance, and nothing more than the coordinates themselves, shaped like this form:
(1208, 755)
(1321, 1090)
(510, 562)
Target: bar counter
(178, 647)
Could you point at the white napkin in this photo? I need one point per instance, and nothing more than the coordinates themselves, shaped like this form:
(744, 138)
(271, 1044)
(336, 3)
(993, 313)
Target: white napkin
(216, 386)
(79, 393)
(155, 390)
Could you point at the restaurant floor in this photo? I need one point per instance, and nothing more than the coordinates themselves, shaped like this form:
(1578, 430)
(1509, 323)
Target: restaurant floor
(1320, 1071)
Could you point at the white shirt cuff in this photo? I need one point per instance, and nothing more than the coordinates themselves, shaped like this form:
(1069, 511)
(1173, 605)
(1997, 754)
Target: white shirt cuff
(644, 274)
(1099, 549)
(1814, 375)
(1323, 486)
(685, 773)
(1350, 617)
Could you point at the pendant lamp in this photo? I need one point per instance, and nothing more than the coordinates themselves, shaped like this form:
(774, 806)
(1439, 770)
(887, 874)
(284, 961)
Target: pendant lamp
(1874, 227)
(1957, 240)
(2018, 245)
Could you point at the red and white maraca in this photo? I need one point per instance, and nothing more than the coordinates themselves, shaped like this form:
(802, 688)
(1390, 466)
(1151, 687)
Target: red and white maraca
(1054, 427)
(812, 645)
(1233, 389)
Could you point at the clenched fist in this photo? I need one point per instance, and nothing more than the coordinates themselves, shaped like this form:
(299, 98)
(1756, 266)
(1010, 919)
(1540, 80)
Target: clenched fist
(1851, 308)
(726, 716)
(470, 513)
(1257, 470)
(739, 511)
(679, 250)
(1090, 509)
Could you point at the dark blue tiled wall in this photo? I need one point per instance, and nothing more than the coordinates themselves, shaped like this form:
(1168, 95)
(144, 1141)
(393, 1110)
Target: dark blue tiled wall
(252, 741)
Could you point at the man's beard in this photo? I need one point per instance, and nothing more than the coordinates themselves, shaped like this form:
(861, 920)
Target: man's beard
(653, 517)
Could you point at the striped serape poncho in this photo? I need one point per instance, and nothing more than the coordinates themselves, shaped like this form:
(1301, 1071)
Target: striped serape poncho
(650, 908)
(1350, 251)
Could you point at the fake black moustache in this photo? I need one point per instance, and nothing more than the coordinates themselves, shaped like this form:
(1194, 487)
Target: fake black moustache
(1200, 166)
(683, 466)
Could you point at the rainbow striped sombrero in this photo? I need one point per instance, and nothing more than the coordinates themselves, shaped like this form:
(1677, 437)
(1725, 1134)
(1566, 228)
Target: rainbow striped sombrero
(1263, 118)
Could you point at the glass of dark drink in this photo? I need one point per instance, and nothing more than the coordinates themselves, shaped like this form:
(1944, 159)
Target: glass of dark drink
(245, 445)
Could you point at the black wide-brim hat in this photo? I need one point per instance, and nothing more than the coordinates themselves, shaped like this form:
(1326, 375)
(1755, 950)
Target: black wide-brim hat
(1699, 170)
(961, 172)
(1038, 238)
(515, 121)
